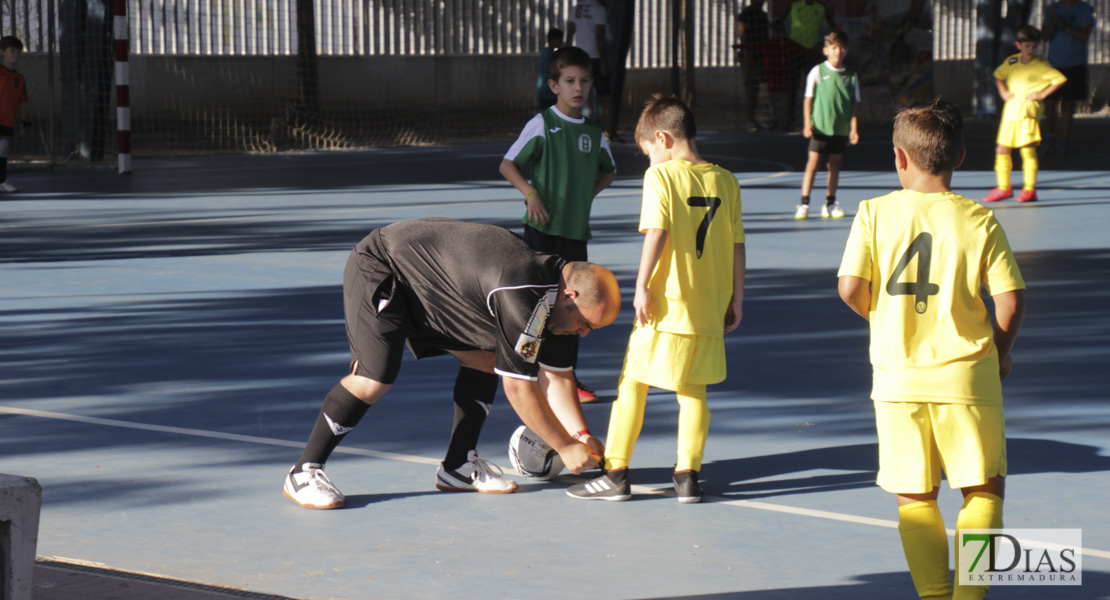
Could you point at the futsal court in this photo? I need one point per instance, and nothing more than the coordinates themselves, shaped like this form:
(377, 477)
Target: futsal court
(168, 338)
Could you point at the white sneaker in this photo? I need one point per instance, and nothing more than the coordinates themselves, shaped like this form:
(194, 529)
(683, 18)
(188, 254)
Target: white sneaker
(311, 488)
(832, 210)
(7, 187)
(476, 475)
(802, 212)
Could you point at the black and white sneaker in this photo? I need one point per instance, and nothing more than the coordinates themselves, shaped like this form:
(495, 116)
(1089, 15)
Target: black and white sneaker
(612, 486)
(475, 475)
(311, 488)
(686, 486)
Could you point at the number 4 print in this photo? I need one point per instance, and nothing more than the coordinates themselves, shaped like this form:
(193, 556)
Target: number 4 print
(922, 247)
(713, 203)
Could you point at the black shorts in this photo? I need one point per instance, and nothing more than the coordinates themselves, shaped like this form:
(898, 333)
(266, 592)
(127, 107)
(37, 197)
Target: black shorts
(1076, 88)
(601, 82)
(828, 144)
(381, 321)
(564, 248)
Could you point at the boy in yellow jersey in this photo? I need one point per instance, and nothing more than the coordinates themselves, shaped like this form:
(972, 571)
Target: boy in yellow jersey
(1024, 81)
(689, 293)
(914, 265)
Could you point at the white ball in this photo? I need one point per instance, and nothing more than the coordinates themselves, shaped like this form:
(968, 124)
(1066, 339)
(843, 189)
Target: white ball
(531, 456)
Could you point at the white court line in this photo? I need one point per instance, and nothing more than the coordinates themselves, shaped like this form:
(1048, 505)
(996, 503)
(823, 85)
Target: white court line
(234, 437)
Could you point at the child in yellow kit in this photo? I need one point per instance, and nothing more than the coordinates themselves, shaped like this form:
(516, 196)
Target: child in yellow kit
(689, 293)
(914, 265)
(1024, 81)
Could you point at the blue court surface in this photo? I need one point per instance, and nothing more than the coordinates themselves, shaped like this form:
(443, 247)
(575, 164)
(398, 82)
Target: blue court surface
(168, 338)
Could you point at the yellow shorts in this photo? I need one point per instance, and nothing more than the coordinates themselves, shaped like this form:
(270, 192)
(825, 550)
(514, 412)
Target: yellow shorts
(1019, 133)
(917, 440)
(671, 361)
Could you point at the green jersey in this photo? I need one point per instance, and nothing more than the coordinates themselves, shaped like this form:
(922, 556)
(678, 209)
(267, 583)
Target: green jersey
(834, 91)
(566, 157)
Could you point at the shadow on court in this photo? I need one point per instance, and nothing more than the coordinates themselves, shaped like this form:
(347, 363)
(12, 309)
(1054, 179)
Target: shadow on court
(896, 585)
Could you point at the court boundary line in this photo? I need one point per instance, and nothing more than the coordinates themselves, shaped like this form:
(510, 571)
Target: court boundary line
(251, 439)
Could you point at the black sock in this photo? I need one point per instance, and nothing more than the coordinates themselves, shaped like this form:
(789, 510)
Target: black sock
(829, 200)
(805, 200)
(342, 410)
(474, 392)
(3, 169)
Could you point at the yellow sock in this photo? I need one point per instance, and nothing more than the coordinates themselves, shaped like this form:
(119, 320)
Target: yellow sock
(925, 543)
(980, 511)
(1029, 166)
(625, 422)
(693, 427)
(1003, 165)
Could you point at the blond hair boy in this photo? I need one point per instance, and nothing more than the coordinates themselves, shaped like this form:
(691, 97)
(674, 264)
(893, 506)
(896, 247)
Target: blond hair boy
(689, 293)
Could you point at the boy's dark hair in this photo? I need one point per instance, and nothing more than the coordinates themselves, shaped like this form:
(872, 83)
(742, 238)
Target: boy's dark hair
(836, 38)
(1029, 34)
(931, 133)
(666, 113)
(567, 56)
(10, 41)
(554, 37)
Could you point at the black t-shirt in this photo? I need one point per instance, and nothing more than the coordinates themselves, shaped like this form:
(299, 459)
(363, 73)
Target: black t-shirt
(479, 286)
(757, 26)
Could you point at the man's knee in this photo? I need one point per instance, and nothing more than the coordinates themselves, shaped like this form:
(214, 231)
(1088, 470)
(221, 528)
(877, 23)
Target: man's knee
(364, 388)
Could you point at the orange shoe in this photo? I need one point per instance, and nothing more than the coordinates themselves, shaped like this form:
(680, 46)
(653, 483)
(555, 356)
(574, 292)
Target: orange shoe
(1027, 196)
(999, 194)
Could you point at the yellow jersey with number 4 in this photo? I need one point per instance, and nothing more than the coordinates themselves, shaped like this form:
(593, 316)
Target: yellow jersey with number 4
(927, 257)
(698, 205)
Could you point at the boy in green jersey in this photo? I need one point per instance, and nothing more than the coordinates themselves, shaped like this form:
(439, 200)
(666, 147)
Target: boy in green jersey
(915, 266)
(829, 112)
(570, 162)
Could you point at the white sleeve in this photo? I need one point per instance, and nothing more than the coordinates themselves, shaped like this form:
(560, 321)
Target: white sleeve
(811, 81)
(533, 128)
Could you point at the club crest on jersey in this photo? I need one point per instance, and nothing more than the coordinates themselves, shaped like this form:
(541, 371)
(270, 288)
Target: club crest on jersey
(585, 144)
(528, 344)
(1013, 60)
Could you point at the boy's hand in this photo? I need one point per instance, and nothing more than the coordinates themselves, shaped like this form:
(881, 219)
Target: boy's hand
(1006, 95)
(1005, 365)
(642, 304)
(807, 130)
(733, 314)
(536, 212)
(853, 138)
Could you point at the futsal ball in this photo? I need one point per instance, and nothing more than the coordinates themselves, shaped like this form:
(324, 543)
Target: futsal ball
(531, 456)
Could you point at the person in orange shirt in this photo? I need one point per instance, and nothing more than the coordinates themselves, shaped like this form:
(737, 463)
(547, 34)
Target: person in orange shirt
(13, 95)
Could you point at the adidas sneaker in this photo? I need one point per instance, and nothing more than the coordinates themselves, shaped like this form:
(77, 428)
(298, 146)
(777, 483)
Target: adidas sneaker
(475, 475)
(686, 486)
(612, 486)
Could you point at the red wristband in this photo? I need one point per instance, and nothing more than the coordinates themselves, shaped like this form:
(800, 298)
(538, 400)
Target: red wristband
(579, 435)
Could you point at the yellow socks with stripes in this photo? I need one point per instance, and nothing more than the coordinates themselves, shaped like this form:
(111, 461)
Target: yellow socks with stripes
(925, 543)
(1003, 166)
(981, 510)
(693, 427)
(1029, 167)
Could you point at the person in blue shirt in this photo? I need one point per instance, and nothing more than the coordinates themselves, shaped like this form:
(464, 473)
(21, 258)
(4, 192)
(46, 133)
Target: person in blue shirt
(1067, 29)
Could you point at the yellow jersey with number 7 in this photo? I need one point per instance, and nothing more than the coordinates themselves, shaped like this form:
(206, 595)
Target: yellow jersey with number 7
(927, 257)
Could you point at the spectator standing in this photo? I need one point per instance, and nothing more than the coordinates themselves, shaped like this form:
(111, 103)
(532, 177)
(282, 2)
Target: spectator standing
(1067, 28)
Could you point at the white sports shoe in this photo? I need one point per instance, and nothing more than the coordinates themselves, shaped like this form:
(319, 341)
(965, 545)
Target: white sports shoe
(476, 475)
(311, 488)
(832, 210)
(802, 212)
(7, 187)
